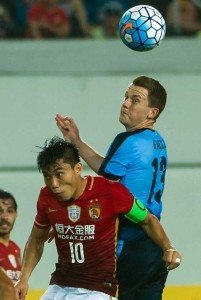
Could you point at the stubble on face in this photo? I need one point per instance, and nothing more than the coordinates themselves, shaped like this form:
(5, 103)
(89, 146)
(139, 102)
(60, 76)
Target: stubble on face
(7, 222)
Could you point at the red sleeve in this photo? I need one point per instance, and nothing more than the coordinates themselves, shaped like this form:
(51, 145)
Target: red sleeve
(122, 198)
(41, 219)
(34, 12)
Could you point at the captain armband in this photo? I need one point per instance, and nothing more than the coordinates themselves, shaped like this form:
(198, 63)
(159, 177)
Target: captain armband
(138, 212)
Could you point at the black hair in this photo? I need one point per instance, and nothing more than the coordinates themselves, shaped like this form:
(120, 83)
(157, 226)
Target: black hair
(54, 149)
(6, 195)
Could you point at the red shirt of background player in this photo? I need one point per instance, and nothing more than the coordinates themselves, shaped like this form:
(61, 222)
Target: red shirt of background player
(10, 260)
(53, 16)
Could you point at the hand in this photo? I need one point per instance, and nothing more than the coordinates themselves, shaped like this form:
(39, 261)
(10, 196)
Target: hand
(21, 289)
(172, 258)
(68, 128)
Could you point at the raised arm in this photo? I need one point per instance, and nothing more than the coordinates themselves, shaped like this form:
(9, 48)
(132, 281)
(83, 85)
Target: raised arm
(150, 224)
(32, 254)
(70, 133)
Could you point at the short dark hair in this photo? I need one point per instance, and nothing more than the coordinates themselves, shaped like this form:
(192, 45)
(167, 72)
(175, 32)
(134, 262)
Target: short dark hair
(54, 149)
(157, 94)
(6, 195)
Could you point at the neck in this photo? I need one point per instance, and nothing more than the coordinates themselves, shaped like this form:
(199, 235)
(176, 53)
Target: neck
(81, 187)
(5, 239)
(149, 123)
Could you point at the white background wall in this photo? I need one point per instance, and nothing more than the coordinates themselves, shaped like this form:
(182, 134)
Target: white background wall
(34, 87)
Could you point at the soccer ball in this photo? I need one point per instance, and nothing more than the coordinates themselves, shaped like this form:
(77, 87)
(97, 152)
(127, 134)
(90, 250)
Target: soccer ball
(142, 28)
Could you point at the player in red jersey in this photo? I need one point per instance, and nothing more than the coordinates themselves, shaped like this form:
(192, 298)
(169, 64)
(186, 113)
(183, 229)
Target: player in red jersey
(83, 212)
(10, 259)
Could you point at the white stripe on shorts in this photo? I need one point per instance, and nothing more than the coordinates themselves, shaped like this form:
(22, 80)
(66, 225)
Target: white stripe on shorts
(56, 292)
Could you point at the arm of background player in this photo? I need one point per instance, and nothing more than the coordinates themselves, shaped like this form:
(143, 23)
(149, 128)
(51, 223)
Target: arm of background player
(70, 133)
(150, 224)
(7, 290)
(31, 256)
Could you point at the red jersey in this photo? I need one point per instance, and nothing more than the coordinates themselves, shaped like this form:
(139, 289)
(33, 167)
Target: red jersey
(54, 16)
(10, 260)
(86, 233)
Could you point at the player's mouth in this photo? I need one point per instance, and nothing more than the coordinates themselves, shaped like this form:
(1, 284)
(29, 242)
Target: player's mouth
(57, 193)
(5, 225)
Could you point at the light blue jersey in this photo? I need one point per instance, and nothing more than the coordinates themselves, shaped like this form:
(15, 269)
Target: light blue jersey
(139, 160)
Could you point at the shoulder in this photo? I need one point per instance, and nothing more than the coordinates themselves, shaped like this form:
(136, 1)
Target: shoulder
(35, 8)
(44, 196)
(112, 187)
(45, 191)
(13, 245)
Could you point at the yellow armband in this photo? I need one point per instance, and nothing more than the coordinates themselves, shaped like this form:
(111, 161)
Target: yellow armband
(138, 212)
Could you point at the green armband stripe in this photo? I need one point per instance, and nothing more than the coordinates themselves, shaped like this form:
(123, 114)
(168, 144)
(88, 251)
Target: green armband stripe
(138, 212)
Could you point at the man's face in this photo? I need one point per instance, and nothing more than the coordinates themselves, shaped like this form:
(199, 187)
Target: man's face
(134, 110)
(8, 216)
(63, 180)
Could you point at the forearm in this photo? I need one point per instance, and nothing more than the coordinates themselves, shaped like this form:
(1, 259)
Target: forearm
(89, 155)
(6, 287)
(32, 254)
(155, 231)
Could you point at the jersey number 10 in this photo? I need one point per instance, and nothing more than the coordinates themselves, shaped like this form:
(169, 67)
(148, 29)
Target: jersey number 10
(77, 253)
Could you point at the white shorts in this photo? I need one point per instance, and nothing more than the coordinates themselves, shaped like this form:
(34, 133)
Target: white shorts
(56, 292)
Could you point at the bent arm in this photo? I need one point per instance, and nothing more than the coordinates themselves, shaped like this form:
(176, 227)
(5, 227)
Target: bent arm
(31, 256)
(70, 133)
(151, 225)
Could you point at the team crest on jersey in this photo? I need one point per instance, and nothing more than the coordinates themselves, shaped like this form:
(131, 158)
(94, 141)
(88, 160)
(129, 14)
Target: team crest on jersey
(74, 213)
(94, 210)
(12, 260)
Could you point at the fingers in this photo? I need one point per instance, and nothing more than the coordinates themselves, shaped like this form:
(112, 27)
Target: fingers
(68, 128)
(173, 259)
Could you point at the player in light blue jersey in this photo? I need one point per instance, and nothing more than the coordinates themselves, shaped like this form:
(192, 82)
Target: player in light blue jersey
(142, 172)
(138, 158)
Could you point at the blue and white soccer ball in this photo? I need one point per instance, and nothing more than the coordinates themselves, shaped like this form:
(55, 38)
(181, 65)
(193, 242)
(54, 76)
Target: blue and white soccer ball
(142, 28)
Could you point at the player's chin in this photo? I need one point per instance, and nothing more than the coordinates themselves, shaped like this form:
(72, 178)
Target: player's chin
(5, 231)
(122, 119)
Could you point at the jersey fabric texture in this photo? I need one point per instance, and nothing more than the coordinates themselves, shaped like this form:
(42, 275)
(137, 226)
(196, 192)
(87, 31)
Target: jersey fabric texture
(86, 233)
(139, 159)
(10, 260)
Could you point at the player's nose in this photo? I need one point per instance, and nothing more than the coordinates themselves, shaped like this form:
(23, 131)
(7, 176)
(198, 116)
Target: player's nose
(4, 215)
(54, 182)
(126, 103)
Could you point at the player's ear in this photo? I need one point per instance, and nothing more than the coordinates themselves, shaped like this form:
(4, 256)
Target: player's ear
(153, 113)
(78, 168)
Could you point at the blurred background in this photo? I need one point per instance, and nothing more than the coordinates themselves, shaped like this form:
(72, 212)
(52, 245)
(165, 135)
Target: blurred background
(81, 68)
(96, 19)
